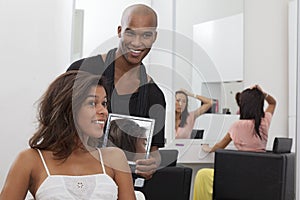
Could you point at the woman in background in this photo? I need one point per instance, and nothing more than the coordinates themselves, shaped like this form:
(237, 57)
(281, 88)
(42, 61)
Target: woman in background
(249, 133)
(60, 164)
(185, 120)
(237, 99)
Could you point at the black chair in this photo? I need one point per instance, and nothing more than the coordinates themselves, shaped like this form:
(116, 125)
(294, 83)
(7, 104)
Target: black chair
(169, 181)
(168, 157)
(244, 175)
(197, 134)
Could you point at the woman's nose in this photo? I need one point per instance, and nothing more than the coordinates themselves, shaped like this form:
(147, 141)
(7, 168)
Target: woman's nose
(101, 110)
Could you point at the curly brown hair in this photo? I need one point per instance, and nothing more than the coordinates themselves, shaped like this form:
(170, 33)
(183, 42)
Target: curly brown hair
(57, 111)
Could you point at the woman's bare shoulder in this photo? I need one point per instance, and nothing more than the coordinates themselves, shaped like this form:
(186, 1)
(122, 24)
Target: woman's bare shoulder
(28, 155)
(112, 152)
(114, 157)
(25, 160)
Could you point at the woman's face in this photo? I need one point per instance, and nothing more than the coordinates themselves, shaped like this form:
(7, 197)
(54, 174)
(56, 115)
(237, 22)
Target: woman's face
(93, 113)
(140, 148)
(141, 145)
(180, 102)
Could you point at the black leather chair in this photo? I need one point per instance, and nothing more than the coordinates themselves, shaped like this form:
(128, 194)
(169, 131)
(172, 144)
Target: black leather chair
(243, 175)
(169, 181)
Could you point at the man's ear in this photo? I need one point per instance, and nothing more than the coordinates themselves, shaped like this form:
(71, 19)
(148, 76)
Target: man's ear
(119, 31)
(155, 36)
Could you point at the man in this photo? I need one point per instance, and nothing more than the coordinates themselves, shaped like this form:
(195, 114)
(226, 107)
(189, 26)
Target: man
(130, 89)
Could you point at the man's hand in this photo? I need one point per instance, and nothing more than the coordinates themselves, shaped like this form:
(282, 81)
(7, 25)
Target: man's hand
(146, 167)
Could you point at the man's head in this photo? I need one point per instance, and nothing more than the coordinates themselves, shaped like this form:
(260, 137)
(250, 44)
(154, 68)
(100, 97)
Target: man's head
(137, 32)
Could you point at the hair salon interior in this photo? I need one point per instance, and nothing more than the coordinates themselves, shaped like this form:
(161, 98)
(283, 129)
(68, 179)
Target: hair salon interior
(210, 47)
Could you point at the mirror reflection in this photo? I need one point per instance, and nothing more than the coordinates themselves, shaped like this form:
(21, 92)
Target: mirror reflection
(132, 134)
(185, 119)
(214, 61)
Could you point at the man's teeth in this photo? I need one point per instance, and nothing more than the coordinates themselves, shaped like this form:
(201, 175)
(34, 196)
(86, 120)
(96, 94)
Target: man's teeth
(99, 122)
(135, 51)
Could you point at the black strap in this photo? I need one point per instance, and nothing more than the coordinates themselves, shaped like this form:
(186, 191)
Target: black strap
(109, 74)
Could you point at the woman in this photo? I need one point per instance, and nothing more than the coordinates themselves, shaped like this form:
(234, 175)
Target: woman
(249, 133)
(184, 120)
(60, 164)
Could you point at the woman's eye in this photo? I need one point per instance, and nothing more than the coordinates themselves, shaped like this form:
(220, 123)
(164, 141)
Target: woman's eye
(92, 103)
(104, 104)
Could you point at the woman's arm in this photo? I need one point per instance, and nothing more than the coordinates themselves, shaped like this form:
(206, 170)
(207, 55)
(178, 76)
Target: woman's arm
(122, 175)
(220, 145)
(270, 100)
(18, 179)
(272, 103)
(207, 103)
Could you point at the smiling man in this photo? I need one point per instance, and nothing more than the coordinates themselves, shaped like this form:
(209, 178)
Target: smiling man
(130, 89)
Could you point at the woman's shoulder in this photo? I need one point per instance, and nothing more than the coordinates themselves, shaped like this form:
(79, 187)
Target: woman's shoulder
(27, 159)
(28, 154)
(112, 152)
(115, 158)
(242, 124)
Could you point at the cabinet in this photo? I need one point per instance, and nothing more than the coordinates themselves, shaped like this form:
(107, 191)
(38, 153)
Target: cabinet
(222, 42)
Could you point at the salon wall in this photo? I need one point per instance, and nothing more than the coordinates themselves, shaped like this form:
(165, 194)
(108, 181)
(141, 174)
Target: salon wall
(101, 20)
(266, 55)
(35, 40)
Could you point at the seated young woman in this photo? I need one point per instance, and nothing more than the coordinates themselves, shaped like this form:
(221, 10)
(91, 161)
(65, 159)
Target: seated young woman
(60, 163)
(249, 133)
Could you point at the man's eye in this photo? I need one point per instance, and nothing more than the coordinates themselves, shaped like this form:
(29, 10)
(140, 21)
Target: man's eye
(130, 33)
(148, 35)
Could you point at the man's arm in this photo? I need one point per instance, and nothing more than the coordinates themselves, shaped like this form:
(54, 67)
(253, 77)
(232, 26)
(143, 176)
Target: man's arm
(147, 167)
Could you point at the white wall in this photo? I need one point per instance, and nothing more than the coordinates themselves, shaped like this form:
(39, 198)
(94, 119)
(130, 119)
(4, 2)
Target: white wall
(266, 55)
(101, 20)
(292, 70)
(35, 47)
(215, 37)
(188, 15)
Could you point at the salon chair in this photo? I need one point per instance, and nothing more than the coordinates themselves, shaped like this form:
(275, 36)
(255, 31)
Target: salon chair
(169, 181)
(244, 175)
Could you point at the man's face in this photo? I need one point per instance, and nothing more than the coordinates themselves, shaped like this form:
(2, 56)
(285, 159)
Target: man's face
(137, 35)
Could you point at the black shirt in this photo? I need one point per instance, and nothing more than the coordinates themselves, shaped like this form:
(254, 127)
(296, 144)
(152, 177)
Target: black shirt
(151, 105)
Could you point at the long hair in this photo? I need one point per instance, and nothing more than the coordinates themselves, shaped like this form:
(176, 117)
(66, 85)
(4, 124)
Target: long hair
(57, 112)
(252, 106)
(124, 134)
(185, 112)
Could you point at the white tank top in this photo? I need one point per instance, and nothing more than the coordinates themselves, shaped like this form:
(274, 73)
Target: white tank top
(58, 187)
